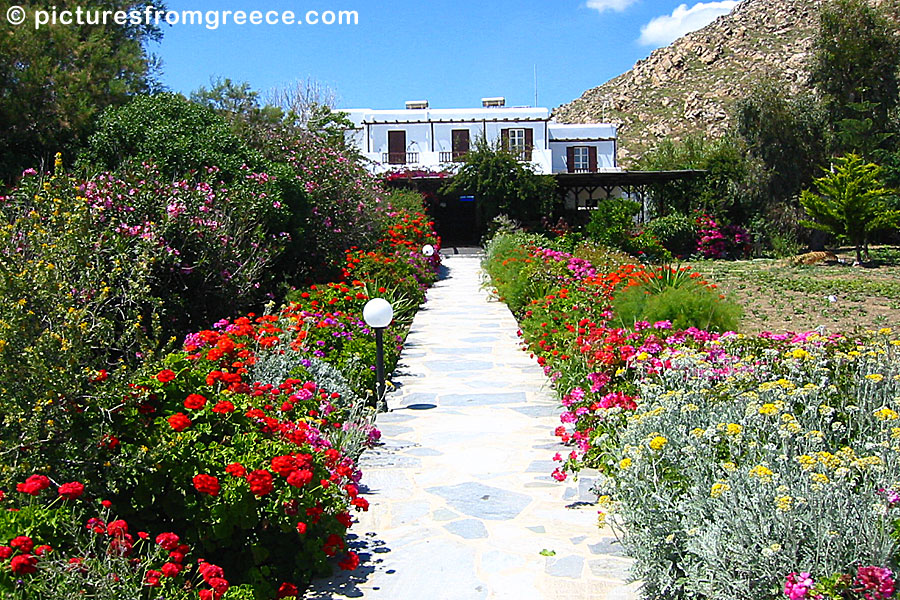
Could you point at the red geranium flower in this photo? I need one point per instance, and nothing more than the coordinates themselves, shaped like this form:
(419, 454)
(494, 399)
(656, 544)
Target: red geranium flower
(287, 590)
(350, 563)
(299, 478)
(206, 484)
(168, 541)
(33, 485)
(117, 528)
(165, 376)
(194, 402)
(5, 552)
(72, 490)
(236, 470)
(260, 482)
(223, 407)
(22, 542)
(179, 421)
(301, 527)
(43, 549)
(171, 569)
(152, 578)
(23, 564)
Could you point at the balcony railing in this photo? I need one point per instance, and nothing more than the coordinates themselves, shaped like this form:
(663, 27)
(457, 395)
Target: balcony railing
(400, 158)
(455, 156)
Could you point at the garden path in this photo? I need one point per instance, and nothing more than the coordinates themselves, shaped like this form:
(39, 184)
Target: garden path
(462, 502)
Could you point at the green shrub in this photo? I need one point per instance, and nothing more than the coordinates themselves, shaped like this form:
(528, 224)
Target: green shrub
(684, 304)
(676, 232)
(613, 221)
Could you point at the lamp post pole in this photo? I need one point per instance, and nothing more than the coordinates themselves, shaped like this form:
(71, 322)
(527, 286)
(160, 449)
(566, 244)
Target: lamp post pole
(379, 361)
(378, 314)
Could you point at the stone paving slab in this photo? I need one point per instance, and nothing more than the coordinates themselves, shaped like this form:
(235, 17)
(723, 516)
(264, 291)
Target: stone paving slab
(462, 504)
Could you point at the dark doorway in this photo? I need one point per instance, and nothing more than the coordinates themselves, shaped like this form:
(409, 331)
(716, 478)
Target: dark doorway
(397, 147)
(460, 140)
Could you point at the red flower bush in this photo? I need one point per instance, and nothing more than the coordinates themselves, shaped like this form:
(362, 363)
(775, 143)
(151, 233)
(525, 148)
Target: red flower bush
(23, 564)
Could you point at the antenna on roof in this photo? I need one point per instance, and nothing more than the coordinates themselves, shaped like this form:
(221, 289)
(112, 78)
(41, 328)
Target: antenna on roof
(535, 86)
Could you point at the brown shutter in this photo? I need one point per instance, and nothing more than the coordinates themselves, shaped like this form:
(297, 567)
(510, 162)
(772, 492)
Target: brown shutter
(504, 139)
(570, 159)
(529, 142)
(592, 159)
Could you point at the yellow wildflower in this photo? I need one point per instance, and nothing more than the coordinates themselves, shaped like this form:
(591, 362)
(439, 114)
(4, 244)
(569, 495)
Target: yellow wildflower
(718, 488)
(624, 463)
(876, 377)
(763, 472)
(783, 503)
(658, 442)
(886, 414)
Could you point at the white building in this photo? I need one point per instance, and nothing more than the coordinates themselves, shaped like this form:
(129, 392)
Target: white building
(420, 137)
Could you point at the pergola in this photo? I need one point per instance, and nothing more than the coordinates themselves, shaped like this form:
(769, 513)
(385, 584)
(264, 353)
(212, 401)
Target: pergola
(637, 184)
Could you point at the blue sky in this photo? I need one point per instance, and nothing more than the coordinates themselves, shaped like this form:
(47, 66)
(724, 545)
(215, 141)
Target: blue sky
(451, 53)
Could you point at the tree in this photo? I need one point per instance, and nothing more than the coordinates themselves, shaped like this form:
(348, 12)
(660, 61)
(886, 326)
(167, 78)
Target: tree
(785, 135)
(856, 58)
(851, 203)
(501, 183)
(55, 80)
(719, 191)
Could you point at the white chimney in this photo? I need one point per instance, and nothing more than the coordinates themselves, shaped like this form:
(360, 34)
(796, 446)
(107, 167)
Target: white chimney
(498, 102)
(416, 104)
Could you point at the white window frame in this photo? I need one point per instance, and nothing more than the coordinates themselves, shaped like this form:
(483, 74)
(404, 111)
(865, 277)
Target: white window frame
(582, 159)
(517, 141)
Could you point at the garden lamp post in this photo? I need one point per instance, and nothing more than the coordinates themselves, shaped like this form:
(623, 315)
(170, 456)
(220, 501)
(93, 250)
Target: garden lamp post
(378, 314)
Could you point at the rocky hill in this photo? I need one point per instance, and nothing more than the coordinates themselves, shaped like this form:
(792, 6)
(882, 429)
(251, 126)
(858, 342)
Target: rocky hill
(691, 85)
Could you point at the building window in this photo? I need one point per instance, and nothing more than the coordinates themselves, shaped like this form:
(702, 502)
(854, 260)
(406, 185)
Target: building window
(517, 141)
(582, 159)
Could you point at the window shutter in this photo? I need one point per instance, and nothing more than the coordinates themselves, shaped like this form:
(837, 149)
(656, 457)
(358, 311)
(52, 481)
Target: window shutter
(570, 159)
(529, 142)
(504, 139)
(592, 159)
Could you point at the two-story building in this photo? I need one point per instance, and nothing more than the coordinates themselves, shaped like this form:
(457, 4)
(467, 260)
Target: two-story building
(422, 138)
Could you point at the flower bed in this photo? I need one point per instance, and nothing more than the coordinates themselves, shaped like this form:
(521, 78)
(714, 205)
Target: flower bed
(241, 446)
(736, 467)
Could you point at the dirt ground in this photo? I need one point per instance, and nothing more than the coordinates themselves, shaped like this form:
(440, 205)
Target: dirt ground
(779, 296)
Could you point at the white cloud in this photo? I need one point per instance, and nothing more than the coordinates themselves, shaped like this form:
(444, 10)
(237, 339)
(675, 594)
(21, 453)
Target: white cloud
(665, 29)
(616, 5)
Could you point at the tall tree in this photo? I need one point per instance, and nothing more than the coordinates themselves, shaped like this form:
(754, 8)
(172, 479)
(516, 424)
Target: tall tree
(851, 203)
(55, 79)
(855, 67)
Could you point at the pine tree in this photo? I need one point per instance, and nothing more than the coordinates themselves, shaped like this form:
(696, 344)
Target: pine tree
(851, 203)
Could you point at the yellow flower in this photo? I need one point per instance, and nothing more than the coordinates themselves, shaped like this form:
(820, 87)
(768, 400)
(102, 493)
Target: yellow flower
(729, 466)
(798, 353)
(886, 414)
(763, 472)
(819, 477)
(658, 442)
(876, 377)
(698, 432)
(783, 503)
(624, 463)
(732, 429)
(885, 331)
(718, 488)
(768, 409)
(806, 461)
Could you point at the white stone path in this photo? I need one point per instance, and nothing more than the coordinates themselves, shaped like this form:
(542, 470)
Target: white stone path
(462, 502)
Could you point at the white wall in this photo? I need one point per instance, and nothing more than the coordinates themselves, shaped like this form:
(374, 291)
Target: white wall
(606, 153)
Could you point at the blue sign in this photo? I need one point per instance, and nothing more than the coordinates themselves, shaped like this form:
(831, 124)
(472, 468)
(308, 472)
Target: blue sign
(467, 198)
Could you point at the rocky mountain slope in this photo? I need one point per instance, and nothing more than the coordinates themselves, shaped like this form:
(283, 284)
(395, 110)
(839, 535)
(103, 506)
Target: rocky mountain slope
(691, 85)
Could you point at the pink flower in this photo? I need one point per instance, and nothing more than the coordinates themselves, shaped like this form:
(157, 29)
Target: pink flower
(798, 585)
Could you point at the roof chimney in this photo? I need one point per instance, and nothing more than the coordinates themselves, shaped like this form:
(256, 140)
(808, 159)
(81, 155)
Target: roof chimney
(416, 104)
(498, 102)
